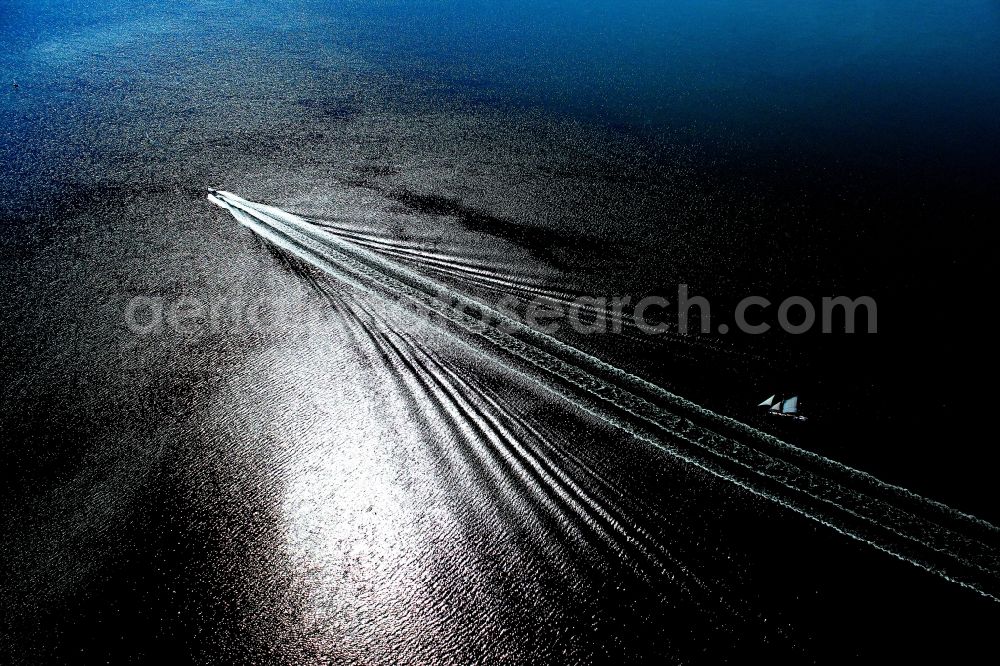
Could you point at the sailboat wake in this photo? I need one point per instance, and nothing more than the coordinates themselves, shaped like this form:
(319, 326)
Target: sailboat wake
(370, 278)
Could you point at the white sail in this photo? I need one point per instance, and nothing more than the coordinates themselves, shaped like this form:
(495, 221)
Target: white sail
(791, 405)
(776, 407)
(769, 402)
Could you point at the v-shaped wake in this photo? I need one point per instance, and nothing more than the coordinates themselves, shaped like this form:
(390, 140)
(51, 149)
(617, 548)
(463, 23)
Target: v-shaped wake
(953, 545)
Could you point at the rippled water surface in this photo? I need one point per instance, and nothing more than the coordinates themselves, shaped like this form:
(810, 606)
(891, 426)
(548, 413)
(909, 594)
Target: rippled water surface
(303, 472)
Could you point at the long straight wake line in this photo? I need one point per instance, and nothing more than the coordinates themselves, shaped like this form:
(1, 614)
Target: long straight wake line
(504, 284)
(871, 511)
(529, 465)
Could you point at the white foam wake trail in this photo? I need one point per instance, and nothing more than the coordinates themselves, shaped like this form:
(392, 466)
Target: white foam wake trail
(483, 276)
(958, 547)
(449, 265)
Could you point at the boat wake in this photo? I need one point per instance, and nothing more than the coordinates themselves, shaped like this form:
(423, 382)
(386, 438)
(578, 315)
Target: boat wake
(379, 279)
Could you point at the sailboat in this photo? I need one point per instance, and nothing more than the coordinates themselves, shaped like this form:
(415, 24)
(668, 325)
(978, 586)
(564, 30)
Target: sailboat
(778, 406)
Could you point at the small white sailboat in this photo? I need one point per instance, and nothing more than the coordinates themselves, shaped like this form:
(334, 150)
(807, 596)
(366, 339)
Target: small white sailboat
(779, 406)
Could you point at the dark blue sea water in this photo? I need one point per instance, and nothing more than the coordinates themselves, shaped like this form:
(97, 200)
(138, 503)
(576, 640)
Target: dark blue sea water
(242, 496)
(850, 83)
